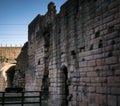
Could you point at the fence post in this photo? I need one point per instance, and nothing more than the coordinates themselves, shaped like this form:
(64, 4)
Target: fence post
(22, 99)
(40, 97)
(3, 98)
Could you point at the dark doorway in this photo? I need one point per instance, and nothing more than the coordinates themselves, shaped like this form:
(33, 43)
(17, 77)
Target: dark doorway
(10, 76)
(45, 80)
(65, 72)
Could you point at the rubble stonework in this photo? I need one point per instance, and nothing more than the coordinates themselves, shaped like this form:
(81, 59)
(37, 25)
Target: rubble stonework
(75, 55)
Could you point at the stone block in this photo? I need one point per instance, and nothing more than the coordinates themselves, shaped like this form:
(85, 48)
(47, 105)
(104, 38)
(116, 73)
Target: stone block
(116, 53)
(115, 90)
(83, 104)
(89, 69)
(101, 68)
(115, 66)
(111, 60)
(84, 80)
(92, 63)
(96, 99)
(98, 80)
(92, 74)
(83, 64)
(117, 72)
(112, 100)
(83, 74)
(114, 79)
(99, 56)
(88, 57)
(103, 90)
(74, 103)
(81, 88)
(85, 54)
(100, 62)
(92, 89)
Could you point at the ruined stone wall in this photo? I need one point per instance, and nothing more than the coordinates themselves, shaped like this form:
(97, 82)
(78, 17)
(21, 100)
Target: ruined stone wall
(83, 56)
(21, 67)
(39, 39)
(35, 57)
(9, 54)
(2, 82)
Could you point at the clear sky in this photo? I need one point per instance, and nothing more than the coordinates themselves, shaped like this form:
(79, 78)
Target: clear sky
(15, 15)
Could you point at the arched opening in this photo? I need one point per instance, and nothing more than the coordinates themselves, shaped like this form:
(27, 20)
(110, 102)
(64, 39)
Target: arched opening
(6, 76)
(45, 87)
(65, 78)
(10, 76)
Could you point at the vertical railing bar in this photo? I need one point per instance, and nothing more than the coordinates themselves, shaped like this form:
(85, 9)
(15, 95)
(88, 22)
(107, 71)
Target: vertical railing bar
(22, 99)
(3, 98)
(40, 98)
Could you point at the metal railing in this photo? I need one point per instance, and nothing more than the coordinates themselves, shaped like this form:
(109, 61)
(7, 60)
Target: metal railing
(21, 98)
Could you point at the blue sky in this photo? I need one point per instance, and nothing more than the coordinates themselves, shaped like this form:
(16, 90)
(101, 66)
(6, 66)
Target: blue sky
(15, 15)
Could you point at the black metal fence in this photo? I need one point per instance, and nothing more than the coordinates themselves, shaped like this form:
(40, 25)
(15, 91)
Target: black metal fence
(21, 98)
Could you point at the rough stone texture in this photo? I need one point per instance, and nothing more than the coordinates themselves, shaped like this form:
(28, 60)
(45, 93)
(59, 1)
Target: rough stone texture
(76, 53)
(21, 67)
(2, 82)
(8, 56)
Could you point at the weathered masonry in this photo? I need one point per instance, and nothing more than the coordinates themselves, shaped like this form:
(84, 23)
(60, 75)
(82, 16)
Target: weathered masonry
(75, 55)
(8, 56)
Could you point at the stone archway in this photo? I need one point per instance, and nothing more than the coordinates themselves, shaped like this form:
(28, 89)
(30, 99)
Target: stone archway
(10, 76)
(7, 75)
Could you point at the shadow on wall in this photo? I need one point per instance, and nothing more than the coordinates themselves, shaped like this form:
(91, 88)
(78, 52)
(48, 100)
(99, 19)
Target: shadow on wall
(21, 67)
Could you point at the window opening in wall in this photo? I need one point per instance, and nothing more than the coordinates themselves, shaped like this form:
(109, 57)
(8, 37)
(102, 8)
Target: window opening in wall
(45, 87)
(97, 34)
(111, 29)
(110, 54)
(73, 53)
(82, 49)
(91, 47)
(100, 44)
(39, 62)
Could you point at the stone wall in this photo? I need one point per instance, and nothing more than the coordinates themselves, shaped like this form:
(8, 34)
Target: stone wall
(9, 54)
(39, 45)
(2, 82)
(77, 52)
(21, 67)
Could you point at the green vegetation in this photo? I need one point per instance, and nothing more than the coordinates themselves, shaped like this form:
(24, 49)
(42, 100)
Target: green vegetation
(3, 59)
